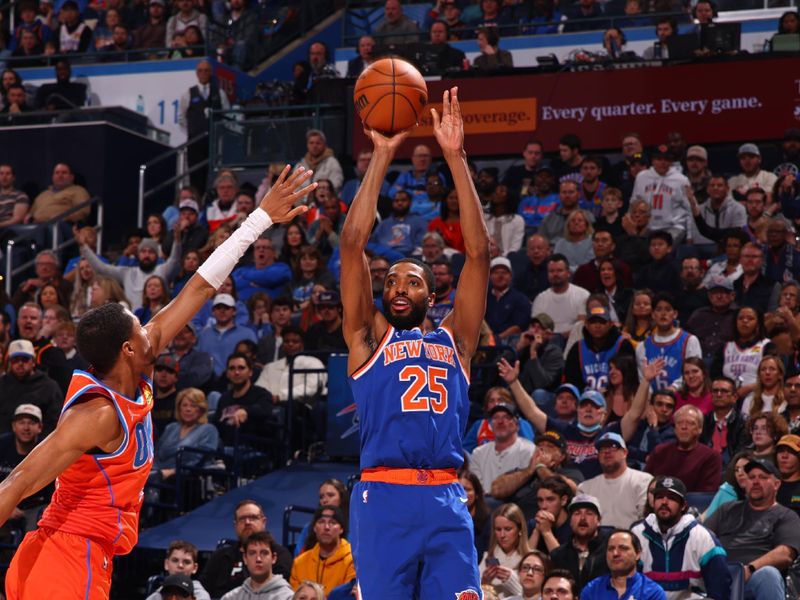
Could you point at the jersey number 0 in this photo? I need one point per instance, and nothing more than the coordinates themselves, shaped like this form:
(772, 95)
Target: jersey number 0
(432, 378)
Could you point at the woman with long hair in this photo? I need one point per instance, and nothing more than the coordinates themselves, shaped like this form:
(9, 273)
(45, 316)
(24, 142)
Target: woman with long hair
(734, 487)
(476, 505)
(309, 269)
(195, 42)
(767, 396)
(765, 430)
(448, 224)
(294, 239)
(49, 295)
(81, 298)
(189, 264)
(508, 543)
(639, 320)
(156, 228)
(258, 306)
(623, 381)
(576, 244)
(332, 492)
(309, 590)
(740, 357)
(104, 290)
(612, 285)
(506, 227)
(696, 388)
(155, 296)
(533, 569)
(220, 234)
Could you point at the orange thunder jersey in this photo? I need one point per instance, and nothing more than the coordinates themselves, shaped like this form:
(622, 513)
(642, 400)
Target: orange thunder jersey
(100, 495)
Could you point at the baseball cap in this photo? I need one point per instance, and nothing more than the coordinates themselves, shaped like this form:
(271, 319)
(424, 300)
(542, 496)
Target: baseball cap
(552, 437)
(544, 320)
(672, 485)
(547, 168)
(662, 151)
(178, 583)
(594, 397)
(189, 203)
(791, 441)
(191, 327)
(764, 465)
(225, 300)
(749, 149)
(28, 410)
(598, 312)
(500, 261)
(697, 152)
(21, 348)
(148, 243)
(166, 361)
(584, 501)
(330, 512)
(329, 298)
(568, 387)
(610, 437)
(720, 282)
(504, 407)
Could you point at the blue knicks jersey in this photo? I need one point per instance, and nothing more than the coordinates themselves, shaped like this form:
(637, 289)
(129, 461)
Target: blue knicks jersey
(673, 353)
(594, 365)
(412, 403)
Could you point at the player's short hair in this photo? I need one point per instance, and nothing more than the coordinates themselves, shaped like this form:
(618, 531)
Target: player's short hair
(185, 546)
(101, 333)
(427, 272)
(259, 537)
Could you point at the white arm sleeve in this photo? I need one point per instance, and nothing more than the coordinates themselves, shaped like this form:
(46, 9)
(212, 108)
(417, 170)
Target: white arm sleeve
(222, 261)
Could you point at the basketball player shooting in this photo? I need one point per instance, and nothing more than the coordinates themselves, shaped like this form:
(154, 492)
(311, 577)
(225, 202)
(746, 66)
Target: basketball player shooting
(410, 528)
(102, 449)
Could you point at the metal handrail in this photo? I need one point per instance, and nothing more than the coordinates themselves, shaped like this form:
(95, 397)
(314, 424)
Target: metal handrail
(56, 247)
(173, 152)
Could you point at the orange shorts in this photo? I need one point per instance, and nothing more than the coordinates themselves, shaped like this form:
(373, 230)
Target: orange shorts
(52, 564)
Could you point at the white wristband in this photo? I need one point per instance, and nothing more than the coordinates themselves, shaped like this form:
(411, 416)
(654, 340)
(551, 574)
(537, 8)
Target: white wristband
(222, 261)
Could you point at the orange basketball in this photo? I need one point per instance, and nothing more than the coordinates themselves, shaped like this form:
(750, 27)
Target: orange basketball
(390, 95)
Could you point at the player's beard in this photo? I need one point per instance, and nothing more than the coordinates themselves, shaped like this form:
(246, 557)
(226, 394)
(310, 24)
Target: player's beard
(414, 318)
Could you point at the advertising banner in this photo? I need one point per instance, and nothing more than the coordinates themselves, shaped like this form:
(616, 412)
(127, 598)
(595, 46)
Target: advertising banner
(720, 101)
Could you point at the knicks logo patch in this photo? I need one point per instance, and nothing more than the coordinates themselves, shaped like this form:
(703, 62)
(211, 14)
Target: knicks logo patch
(365, 496)
(469, 595)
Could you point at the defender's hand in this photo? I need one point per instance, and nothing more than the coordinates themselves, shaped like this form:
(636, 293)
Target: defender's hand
(279, 201)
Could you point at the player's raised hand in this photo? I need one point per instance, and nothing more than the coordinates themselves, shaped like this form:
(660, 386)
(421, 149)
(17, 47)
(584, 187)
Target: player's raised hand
(384, 142)
(279, 201)
(449, 127)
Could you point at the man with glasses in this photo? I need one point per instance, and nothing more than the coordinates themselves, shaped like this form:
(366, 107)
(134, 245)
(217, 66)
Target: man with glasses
(226, 569)
(677, 552)
(724, 428)
(264, 275)
(220, 339)
(759, 533)
(791, 393)
(698, 466)
(753, 288)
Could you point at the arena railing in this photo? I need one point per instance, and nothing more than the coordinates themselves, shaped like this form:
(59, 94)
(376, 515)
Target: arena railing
(182, 172)
(38, 232)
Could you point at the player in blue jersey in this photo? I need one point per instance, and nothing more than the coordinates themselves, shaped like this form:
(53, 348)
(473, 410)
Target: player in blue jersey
(411, 531)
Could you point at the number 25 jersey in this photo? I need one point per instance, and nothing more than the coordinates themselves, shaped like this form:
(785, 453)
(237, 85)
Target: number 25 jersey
(412, 402)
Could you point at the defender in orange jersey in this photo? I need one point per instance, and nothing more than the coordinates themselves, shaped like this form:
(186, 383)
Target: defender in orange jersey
(102, 449)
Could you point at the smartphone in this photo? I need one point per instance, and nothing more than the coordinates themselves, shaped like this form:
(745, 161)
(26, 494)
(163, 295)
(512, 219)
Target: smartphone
(492, 562)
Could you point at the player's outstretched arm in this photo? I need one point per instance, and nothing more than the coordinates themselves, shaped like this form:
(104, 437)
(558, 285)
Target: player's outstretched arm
(83, 427)
(276, 207)
(470, 303)
(358, 309)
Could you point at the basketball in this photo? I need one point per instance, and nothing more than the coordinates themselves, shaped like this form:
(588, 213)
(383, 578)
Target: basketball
(389, 95)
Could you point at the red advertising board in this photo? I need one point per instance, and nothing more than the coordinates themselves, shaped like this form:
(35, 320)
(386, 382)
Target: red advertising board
(725, 101)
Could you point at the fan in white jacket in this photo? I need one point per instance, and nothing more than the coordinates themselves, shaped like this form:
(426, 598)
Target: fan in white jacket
(664, 189)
